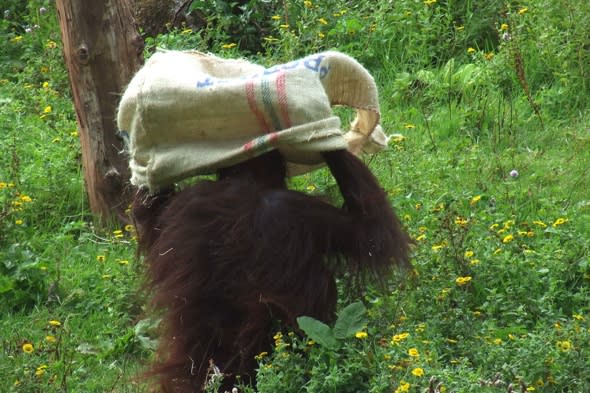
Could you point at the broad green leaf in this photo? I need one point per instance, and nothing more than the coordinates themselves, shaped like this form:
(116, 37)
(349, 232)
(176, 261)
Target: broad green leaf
(350, 320)
(318, 331)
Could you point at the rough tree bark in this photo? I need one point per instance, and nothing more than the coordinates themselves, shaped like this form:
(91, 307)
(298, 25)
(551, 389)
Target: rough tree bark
(102, 51)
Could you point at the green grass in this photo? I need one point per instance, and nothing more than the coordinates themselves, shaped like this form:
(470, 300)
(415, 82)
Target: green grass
(501, 281)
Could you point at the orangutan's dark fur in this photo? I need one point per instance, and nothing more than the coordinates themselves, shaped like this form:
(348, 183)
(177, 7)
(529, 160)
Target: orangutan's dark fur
(229, 258)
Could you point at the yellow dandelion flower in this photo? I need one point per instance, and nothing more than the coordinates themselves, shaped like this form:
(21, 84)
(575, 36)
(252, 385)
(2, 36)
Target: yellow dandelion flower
(489, 55)
(474, 262)
(578, 317)
(396, 339)
(118, 233)
(439, 207)
(276, 17)
(507, 239)
(18, 222)
(403, 387)
(321, 35)
(40, 371)
(55, 323)
(429, 2)
(565, 346)
(461, 221)
(28, 348)
(409, 126)
(474, 200)
(398, 138)
(460, 281)
(26, 198)
(413, 352)
(3, 185)
(229, 46)
(498, 341)
(284, 26)
(45, 85)
(559, 221)
(522, 11)
(361, 335)
(540, 223)
(50, 339)
(308, 4)
(123, 262)
(47, 109)
(418, 372)
(129, 228)
(439, 246)
(459, 27)
(421, 237)
(468, 254)
(323, 21)
(51, 44)
(504, 27)
(261, 356)
(101, 258)
(471, 50)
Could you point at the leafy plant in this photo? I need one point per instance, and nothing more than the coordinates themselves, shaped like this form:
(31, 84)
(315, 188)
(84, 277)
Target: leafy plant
(351, 320)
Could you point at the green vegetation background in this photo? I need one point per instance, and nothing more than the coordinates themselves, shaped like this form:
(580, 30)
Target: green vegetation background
(488, 167)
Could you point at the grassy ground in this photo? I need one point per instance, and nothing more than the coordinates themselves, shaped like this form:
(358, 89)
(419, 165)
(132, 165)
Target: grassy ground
(488, 168)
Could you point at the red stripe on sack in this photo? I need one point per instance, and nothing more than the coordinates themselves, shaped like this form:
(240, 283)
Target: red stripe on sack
(273, 137)
(282, 98)
(251, 97)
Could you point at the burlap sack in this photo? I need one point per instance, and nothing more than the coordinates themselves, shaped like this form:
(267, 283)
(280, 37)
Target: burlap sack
(189, 113)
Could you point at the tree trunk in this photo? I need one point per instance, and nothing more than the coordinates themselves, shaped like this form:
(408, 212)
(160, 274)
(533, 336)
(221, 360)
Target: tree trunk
(102, 51)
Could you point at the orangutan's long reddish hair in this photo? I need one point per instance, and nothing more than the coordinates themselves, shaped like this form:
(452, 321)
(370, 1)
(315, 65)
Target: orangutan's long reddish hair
(230, 258)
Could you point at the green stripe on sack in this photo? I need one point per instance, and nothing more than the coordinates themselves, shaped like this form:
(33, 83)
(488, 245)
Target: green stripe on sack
(267, 95)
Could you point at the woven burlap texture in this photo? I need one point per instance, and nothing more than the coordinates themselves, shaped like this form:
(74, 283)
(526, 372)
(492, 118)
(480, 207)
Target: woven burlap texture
(190, 113)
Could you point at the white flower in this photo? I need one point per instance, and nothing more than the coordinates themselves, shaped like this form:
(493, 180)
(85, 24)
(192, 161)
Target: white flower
(514, 173)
